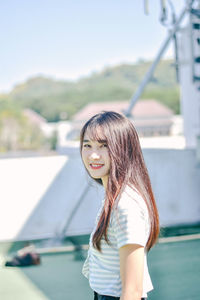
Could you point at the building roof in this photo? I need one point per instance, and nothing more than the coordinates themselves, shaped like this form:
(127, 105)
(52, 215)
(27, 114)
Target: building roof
(34, 117)
(143, 109)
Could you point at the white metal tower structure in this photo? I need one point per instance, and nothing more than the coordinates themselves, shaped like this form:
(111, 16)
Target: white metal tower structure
(189, 71)
(187, 57)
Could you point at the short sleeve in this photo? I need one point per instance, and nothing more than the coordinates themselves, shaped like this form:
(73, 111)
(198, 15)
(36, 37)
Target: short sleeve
(130, 222)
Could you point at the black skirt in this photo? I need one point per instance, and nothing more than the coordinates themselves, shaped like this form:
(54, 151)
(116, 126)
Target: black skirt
(104, 297)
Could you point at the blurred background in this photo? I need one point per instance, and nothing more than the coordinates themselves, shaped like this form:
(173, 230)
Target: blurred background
(61, 62)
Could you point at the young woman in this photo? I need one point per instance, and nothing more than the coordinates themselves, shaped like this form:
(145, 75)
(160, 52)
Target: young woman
(127, 224)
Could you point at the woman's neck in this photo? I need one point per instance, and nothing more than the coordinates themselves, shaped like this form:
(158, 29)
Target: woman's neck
(105, 182)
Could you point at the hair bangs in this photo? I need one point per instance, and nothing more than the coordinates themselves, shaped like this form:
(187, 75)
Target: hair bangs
(95, 133)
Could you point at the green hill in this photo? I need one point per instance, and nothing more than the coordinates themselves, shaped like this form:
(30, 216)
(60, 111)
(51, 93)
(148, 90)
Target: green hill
(50, 97)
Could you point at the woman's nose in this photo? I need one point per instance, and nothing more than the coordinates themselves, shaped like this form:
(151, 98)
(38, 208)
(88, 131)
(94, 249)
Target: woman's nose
(94, 155)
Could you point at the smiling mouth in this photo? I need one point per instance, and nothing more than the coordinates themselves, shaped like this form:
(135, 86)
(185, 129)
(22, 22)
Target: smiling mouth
(96, 166)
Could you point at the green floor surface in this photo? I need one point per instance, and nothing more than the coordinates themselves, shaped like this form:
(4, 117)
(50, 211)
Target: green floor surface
(174, 268)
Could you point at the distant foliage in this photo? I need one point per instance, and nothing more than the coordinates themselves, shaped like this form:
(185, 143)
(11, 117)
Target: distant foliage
(53, 99)
(16, 132)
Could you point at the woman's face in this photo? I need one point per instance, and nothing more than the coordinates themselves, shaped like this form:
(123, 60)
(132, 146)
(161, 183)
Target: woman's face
(96, 158)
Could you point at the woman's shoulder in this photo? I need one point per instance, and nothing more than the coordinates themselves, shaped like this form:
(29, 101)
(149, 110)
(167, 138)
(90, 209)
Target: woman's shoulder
(131, 199)
(130, 208)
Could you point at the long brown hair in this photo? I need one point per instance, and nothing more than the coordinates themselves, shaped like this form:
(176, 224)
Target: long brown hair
(127, 166)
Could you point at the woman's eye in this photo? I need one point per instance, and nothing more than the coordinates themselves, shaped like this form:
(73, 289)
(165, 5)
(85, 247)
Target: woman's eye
(104, 145)
(86, 146)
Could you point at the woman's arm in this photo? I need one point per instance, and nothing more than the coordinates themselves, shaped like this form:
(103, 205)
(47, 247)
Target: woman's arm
(131, 271)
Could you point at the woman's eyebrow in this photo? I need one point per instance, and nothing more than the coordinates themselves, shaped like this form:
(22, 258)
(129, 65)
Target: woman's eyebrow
(99, 141)
(86, 141)
(102, 141)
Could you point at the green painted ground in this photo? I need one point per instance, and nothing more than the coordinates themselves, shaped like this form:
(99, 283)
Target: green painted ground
(174, 268)
(175, 271)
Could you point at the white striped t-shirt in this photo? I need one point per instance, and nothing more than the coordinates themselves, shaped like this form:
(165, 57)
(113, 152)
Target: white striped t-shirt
(129, 224)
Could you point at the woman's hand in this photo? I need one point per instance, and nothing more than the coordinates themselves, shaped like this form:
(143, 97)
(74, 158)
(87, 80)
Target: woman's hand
(131, 271)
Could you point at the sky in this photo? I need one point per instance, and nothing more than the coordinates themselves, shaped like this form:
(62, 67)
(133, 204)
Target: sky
(69, 39)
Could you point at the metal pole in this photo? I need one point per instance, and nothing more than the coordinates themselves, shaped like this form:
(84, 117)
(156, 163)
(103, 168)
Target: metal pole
(146, 7)
(192, 46)
(175, 41)
(154, 64)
